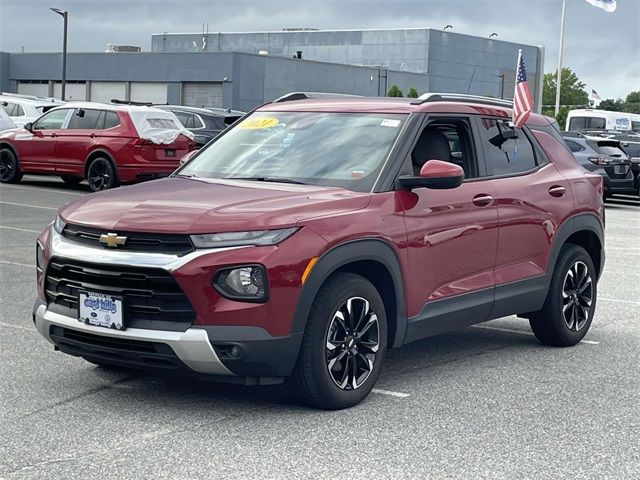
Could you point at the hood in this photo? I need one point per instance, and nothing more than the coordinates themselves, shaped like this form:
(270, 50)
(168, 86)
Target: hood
(181, 205)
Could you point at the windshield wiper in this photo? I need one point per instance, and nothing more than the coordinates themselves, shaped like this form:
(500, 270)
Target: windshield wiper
(267, 179)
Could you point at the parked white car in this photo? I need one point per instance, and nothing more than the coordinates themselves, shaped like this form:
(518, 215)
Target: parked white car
(26, 108)
(5, 121)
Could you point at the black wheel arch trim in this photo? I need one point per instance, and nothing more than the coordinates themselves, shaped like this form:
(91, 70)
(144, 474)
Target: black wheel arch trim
(575, 224)
(369, 249)
(92, 153)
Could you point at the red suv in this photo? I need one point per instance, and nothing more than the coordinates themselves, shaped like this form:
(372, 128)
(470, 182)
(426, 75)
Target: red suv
(106, 144)
(314, 235)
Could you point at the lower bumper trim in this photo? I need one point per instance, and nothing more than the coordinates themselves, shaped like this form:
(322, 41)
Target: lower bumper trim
(191, 347)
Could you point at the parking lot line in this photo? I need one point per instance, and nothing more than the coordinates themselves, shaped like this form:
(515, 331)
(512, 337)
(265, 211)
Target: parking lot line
(27, 205)
(619, 301)
(40, 189)
(16, 263)
(390, 393)
(19, 327)
(19, 229)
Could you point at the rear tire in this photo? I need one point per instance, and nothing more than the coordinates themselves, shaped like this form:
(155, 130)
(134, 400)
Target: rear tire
(9, 167)
(101, 175)
(71, 180)
(568, 309)
(344, 343)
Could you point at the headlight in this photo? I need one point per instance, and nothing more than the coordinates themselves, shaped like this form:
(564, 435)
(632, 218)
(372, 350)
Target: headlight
(39, 256)
(246, 283)
(58, 224)
(235, 239)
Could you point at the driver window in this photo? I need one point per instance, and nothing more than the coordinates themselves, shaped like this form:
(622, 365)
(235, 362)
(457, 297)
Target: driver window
(446, 139)
(52, 120)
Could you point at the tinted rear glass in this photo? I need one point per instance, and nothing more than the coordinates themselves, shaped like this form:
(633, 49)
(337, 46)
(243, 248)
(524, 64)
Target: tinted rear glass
(83, 119)
(111, 120)
(611, 150)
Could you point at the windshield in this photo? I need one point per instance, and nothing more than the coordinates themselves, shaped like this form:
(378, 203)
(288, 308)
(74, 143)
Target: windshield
(335, 149)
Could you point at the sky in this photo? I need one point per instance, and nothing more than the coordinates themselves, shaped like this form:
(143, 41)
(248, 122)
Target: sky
(602, 48)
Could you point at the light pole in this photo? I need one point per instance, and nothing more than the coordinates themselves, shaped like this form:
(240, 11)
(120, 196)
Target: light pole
(559, 79)
(64, 14)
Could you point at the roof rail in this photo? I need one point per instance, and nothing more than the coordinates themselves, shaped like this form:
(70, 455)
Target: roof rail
(27, 97)
(305, 95)
(572, 134)
(461, 97)
(130, 102)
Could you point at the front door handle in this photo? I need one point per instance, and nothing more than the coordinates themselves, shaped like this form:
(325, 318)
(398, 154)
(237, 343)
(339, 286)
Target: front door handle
(482, 200)
(557, 191)
(93, 135)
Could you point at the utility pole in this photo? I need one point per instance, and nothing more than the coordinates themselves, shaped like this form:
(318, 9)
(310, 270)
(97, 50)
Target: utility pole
(559, 80)
(64, 14)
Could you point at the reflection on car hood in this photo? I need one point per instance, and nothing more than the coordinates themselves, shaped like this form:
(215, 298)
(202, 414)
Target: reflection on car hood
(179, 205)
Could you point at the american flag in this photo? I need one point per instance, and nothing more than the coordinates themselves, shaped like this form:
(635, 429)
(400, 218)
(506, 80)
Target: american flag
(522, 101)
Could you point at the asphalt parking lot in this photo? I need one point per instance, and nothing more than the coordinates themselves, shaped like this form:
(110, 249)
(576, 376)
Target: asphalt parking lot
(485, 402)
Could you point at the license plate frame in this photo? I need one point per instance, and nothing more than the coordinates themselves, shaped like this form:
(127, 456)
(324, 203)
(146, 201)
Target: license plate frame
(101, 310)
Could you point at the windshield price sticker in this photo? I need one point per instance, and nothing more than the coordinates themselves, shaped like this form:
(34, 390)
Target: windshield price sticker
(257, 123)
(387, 122)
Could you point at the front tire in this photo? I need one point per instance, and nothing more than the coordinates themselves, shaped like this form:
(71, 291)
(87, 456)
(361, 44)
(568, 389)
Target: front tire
(9, 167)
(101, 175)
(568, 310)
(344, 343)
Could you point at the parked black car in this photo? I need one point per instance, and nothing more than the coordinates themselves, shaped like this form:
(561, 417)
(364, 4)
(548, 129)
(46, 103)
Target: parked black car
(204, 123)
(605, 157)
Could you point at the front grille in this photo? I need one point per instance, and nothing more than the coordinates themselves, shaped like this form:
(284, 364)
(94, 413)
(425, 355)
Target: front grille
(152, 298)
(170, 243)
(118, 351)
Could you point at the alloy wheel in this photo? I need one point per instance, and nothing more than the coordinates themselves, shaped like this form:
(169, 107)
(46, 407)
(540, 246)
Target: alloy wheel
(7, 166)
(577, 296)
(99, 175)
(352, 343)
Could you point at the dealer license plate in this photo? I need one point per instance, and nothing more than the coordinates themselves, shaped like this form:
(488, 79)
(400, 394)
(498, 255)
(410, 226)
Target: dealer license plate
(100, 310)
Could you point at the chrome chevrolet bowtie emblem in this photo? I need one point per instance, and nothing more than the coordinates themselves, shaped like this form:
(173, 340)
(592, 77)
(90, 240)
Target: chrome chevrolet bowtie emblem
(112, 239)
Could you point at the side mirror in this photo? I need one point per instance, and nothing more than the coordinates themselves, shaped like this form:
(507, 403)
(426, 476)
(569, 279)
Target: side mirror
(187, 157)
(28, 126)
(435, 174)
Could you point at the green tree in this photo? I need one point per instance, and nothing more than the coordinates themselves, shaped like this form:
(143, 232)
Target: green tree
(394, 91)
(632, 102)
(611, 105)
(413, 93)
(572, 90)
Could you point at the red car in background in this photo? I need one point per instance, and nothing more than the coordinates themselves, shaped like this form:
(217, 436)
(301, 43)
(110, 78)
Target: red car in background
(106, 144)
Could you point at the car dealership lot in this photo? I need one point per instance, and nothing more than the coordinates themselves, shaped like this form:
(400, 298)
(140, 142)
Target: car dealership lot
(485, 402)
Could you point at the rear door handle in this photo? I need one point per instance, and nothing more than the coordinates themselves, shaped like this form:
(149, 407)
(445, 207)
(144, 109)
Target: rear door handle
(53, 135)
(93, 135)
(482, 200)
(557, 191)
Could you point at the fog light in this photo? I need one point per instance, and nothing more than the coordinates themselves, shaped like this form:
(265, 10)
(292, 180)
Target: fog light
(247, 283)
(234, 352)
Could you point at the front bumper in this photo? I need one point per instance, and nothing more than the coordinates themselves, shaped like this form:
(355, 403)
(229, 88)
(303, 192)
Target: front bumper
(192, 347)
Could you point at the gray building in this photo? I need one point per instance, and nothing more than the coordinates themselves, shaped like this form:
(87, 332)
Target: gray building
(242, 70)
(453, 62)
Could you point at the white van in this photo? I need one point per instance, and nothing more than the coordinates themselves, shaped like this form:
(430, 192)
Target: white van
(589, 119)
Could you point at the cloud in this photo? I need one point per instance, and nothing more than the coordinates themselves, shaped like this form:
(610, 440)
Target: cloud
(602, 48)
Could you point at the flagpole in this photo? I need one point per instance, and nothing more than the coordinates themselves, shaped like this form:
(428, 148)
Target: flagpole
(559, 80)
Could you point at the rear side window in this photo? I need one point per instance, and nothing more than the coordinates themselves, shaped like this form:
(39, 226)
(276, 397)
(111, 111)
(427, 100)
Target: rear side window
(574, 146)
(13, 110)
(507, 150)
(83, 119)
(111, 120)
